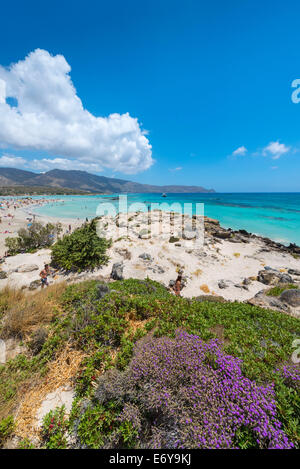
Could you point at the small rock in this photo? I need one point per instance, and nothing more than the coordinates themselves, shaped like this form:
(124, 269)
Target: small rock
(3, 275)
(146, 256)
(117, 271)
(290, 271)
(270, 268)
(34, 285)
(222, 284)
(244, 287)
(246, 281)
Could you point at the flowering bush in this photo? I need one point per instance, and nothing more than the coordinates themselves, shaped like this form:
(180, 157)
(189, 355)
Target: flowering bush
(197, 397)
(291, 375)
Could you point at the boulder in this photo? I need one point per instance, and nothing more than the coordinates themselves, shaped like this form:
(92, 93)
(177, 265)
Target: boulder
(291, 297)
(27, 268)
(117, 271)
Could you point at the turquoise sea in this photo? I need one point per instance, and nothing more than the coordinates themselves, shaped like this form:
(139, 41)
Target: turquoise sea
(275, 215)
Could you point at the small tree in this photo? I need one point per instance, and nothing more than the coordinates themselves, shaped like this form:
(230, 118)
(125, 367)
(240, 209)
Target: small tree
(34, 237)
(80, 250)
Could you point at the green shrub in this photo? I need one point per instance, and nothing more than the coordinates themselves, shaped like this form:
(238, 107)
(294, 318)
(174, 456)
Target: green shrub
(101, 425)
(6, 428)
(276, 291)
(54, 430)
(80, 250)
(35, 237)
(173, 239)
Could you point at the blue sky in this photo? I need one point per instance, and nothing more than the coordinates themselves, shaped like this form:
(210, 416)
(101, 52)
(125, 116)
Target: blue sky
(203, 78)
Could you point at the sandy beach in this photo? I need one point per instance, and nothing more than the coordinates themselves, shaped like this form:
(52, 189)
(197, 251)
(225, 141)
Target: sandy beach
(219, 267)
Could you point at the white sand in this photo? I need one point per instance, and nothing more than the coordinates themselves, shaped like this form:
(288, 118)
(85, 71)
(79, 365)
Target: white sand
(204, 267)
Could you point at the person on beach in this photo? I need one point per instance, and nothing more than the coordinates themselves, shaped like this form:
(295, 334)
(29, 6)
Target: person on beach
(177, 286)
(44, 275)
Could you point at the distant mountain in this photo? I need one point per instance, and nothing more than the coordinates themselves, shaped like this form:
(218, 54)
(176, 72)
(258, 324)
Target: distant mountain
(83, 181)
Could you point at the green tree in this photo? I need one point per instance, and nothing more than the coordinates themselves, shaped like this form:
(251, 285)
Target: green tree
(34, 237)
(80, 250)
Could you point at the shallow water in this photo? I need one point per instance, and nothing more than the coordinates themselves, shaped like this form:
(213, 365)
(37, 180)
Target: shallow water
(275, 215)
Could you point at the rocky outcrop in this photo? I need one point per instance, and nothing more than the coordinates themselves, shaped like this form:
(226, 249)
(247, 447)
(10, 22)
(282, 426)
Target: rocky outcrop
(273, 277)
(9, 349)
(27, 268)
(291, 297)
(269, 302)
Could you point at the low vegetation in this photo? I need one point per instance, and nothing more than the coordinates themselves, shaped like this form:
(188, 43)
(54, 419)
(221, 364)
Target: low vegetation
(34, 237)
(276, 291)
(38, 190)
(162, 371)
(81, 250)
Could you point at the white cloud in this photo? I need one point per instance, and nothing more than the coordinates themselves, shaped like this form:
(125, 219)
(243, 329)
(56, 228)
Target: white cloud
(47, 164)
(275, 150)
(12, 161)
(50, 117)
(240, 151)
(179, 168)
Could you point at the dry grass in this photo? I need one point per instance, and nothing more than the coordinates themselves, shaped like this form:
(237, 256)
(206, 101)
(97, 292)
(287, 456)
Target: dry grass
(236, 254)
(61, 372)
(204, 288)
(24, 312)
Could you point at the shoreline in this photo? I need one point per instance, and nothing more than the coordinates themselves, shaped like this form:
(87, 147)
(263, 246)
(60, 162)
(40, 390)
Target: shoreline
(228, 264)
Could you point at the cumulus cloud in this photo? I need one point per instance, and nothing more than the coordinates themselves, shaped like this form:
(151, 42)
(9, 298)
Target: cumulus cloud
(49, 116)
(240, 151)
(275, 150)
(46, 164)
(12, 161)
